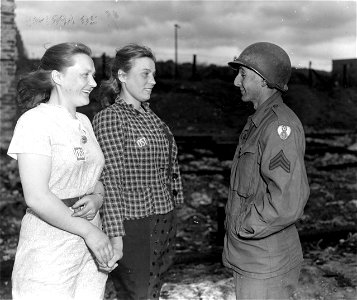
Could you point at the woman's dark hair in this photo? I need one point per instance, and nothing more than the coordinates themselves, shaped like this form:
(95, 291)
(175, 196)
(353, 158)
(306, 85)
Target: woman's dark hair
(109, 89)
(36, 86)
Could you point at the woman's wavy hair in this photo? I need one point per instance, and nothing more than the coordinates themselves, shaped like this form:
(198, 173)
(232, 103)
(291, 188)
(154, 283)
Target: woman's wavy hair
(110, 89)
(35, 87)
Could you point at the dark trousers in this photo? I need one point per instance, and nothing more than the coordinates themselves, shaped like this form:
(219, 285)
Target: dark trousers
(148, 250)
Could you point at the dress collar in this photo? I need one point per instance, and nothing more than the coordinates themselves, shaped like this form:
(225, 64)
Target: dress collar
(60, 110)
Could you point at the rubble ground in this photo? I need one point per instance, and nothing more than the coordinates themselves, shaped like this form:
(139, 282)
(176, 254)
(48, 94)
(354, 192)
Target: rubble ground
(327, 228)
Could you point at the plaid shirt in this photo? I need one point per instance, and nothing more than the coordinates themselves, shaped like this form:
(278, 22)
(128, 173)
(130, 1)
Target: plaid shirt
(141, 174)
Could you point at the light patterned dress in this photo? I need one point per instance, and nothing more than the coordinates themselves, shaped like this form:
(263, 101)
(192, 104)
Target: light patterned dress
(52, 263)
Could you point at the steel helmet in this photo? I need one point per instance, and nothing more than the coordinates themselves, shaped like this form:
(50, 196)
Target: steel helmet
(267, 60)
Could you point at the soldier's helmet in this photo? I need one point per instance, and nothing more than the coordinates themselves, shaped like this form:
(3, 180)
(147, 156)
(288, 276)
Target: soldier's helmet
(269, 61)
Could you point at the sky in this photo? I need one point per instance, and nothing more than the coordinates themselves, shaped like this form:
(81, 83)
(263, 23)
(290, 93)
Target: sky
(215, 31)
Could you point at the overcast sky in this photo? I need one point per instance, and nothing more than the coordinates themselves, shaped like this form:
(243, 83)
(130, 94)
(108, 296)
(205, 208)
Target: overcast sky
(316, 31)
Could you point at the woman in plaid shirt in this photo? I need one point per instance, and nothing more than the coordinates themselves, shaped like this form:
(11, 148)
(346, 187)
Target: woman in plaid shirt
(141, 176)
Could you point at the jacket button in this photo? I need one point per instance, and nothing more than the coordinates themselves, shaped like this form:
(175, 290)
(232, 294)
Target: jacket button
(174, 192)
(174, 176)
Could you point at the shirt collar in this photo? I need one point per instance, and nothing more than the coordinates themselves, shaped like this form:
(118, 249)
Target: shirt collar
(259, 114)
(121, 102)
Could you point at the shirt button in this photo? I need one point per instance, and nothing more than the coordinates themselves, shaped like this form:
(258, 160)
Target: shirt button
(174, 192)
(174, 176)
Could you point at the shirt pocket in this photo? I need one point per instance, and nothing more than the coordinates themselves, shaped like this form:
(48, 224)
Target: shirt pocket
(138, 202)
(243, 180)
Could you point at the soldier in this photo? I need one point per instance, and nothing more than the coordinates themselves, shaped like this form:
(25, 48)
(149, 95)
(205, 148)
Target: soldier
(268, 186)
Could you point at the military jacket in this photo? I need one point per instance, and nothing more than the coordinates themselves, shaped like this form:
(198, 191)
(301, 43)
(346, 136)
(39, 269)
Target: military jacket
(267, 194)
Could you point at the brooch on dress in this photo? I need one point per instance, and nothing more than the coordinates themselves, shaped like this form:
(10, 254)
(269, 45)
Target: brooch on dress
(84, 139)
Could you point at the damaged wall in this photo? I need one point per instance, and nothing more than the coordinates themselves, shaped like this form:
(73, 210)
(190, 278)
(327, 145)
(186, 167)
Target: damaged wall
(9, 54)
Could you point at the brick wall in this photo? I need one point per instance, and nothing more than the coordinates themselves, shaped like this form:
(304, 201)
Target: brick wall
(8, 106)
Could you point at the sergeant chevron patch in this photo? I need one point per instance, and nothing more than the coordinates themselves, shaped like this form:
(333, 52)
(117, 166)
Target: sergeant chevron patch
(280, 160)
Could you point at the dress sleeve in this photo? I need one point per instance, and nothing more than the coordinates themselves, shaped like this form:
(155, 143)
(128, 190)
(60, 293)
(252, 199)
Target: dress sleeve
(110, 135)
(30, 136)
(283, 170)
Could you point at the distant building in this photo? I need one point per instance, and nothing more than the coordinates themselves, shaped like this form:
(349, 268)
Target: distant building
(344, 72)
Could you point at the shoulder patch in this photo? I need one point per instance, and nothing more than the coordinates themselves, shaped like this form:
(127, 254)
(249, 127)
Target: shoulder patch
(284, 131)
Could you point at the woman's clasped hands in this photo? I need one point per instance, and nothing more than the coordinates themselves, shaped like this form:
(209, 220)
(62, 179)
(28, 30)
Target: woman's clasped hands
(107, 252)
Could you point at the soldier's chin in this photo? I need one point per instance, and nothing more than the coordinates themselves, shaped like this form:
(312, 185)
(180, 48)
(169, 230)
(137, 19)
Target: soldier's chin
(244, 98)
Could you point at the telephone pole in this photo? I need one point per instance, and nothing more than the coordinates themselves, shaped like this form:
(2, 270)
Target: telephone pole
(176, 66)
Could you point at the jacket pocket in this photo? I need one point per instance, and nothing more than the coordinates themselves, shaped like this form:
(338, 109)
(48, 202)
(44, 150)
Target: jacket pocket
(244, 168)
(138, 203)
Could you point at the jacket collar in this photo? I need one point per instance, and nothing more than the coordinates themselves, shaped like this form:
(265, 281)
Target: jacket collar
(274, 100)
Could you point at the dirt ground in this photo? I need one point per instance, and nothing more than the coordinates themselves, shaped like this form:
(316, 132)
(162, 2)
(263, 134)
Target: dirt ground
(327, 228)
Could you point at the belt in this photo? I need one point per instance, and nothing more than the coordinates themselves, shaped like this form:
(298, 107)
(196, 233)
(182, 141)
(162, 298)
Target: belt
(71, 201)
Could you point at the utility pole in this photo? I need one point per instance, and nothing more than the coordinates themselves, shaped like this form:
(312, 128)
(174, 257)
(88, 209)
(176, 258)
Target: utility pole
(194, 74)
(176, 66)
(104, 65)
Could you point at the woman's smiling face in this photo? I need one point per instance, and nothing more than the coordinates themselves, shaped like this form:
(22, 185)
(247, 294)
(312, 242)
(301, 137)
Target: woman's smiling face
(78, 81)
(140, 80)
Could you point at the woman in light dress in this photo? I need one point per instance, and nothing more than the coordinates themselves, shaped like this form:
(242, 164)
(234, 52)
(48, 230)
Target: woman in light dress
(62, 252)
